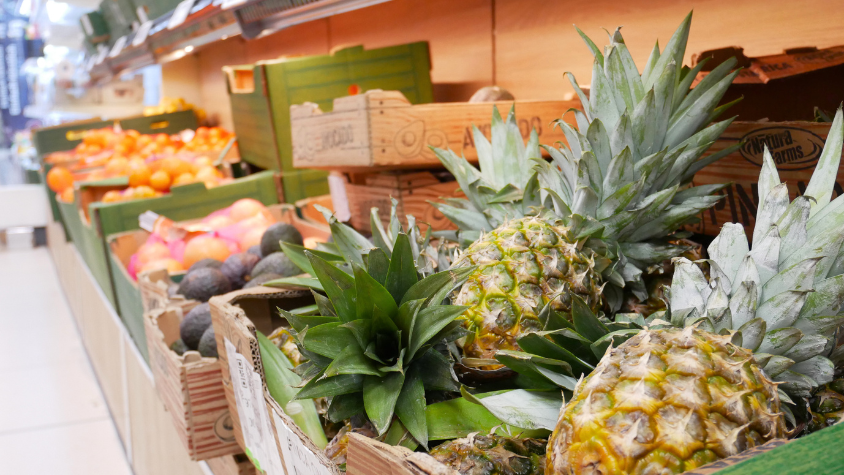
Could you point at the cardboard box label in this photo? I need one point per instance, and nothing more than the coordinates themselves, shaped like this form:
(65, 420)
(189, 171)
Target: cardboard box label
(252, 411)
(792, 148)
(298, 459)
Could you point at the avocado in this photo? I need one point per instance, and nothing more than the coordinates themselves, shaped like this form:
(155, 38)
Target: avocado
(279, 232)
(202, 284)
(276, 263)
(194, 325)
(238, 267)
(256, 249)
(261, 280)
(179, 347)
(207, 262)
(208, 344)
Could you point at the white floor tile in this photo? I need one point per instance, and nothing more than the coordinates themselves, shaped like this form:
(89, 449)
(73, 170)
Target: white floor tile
(55, 419)
(88, 448)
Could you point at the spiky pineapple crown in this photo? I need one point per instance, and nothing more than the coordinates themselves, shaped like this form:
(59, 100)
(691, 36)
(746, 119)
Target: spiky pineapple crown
(622, 178)
(781, 298)
(371, 348)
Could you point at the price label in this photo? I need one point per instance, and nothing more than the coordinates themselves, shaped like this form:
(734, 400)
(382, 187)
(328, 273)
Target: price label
(298, 458)
(180, 14)
(227, 4)
(142, 33)
(252, 411)
(118, 47)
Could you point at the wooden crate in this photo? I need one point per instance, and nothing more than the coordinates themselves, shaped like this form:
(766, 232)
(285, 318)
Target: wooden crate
(383, 129)
(236, 317)
(795, 148)
(231, 465)
(309, 213)
(191, 388)
(413, 190)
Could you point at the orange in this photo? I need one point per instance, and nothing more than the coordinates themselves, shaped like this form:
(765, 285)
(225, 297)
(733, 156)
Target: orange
(204, 247)
(201, 132)
(112, 196)
(137, 162)
(59, 179)
(67, 195)
(117, 166)
(172, 265)
(160, 181)
(153, 251)
(218, 222)
(245, 208)
(140, 176)
(207, 174)
(162, 139)
(144, 191)
(202, 162)
(183, 179)
(175, 166)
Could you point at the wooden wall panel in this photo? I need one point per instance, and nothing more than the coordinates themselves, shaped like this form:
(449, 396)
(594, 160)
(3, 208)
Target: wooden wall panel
(306, 39)
(536, 42)
(215, 98)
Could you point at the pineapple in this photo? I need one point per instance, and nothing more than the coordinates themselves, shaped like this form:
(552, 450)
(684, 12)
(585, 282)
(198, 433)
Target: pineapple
(826, 406)
(492, 455)
(758, 331)
(617, 191)
(372, 348)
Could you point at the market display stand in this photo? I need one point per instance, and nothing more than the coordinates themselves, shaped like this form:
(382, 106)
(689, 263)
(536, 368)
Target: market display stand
(145, 428)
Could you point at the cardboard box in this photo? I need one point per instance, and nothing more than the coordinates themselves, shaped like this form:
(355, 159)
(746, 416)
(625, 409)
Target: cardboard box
(190, 388)
(150, 291)
(810, 454)
(94, 27)
(384, 129)
(413, 190)
(795, 148)
(781, 87)
(261, 426)
(309, 213)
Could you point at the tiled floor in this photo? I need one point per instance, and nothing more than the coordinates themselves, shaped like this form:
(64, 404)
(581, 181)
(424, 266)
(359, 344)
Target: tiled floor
(53, 418)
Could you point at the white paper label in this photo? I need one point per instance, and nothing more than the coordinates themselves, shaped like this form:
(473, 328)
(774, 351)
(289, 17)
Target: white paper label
(180, 14)
(102, 55)
(339, 199)
(252, 411)
(86, 25)
(142, 33)
(118, 47)
(298, 458)
(227, 4)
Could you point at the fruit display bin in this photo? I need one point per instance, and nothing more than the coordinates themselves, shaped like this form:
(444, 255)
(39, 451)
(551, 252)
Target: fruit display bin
(150, 291)
(90, 221)
(190, 386)
(414, 192)
(309, 213)
(804, 455)
(385, 129)
(236, 317)
(261, 95)
(168, 123)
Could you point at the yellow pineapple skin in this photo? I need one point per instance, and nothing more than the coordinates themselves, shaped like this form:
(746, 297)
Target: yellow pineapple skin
(522, 265)
(665, 401)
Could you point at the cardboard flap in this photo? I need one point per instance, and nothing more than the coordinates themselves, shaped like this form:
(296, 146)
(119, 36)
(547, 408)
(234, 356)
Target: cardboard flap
(761, 70)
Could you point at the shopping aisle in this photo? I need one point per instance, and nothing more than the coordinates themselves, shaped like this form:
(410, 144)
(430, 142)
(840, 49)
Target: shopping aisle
(54, 418)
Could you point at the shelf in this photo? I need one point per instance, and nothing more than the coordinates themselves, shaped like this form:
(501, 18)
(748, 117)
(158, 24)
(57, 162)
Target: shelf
(210, 21)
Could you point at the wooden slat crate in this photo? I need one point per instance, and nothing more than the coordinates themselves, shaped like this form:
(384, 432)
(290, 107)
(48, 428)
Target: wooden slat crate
(382, 129)
(795, 148)
(231, 465)
(413, 190)
(191, 388)
(309, 213)
(236, 317)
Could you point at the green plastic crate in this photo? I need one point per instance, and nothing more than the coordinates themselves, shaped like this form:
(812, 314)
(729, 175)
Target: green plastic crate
(94, 27)
(155, 8)
(170, 123)
(261, 96)
(64, 137)
(119, 16)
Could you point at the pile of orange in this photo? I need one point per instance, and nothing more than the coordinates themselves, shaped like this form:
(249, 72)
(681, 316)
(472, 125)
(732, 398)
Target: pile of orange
(60, 180)
(209, 139)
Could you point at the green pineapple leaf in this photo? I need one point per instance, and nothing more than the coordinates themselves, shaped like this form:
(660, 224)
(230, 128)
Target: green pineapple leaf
(428, 323)
(345, 406)
(333, 386)
(296, 283)
(379, 399)
(351, 360)
(372, 294)
(410, 407)
(328, 339)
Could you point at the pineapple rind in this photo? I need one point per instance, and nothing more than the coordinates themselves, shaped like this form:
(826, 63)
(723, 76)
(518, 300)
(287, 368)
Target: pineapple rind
(523, 265)
(665, 401)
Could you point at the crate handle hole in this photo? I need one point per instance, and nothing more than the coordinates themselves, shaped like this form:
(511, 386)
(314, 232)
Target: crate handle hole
(244, 81)
(163, 124)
